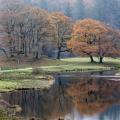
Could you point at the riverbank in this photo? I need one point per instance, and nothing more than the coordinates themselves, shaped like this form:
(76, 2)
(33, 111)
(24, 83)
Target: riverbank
(63, 65)
(38, 73)
(24, 80)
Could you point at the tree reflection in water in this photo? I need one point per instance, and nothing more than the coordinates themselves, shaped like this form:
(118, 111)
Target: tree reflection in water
(93, 96)
(70, 98)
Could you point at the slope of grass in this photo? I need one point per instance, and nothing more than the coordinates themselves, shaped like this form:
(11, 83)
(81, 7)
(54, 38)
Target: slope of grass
(65, 65)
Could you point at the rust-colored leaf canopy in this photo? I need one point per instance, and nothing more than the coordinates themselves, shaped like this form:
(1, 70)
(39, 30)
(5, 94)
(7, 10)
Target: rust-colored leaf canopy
(91, 37)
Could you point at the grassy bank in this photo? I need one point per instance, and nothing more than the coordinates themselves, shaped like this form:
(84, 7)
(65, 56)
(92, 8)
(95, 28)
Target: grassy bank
(63, 65)
(24, 80)
(4, 115)
(35, 75)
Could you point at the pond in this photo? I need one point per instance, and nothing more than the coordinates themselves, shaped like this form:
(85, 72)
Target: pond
(73, 96)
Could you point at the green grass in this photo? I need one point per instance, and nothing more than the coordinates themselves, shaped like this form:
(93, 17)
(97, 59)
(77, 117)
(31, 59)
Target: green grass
(4, 115)
(81, 64)
(107, 62)
(36, 77)
(69, 64)
(112, 62)
(9, 85)
(24, 80)
(74, 67)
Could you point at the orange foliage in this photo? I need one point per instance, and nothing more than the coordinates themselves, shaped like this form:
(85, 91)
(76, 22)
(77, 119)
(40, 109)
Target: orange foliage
(63, 28)
(92, 37)
(63, 24)
(91, 97)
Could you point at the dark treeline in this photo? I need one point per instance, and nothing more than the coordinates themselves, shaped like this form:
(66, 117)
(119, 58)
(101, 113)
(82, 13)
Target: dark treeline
(104, 10)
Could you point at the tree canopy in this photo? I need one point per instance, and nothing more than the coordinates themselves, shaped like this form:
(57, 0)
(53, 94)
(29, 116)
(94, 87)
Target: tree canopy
(89, 37)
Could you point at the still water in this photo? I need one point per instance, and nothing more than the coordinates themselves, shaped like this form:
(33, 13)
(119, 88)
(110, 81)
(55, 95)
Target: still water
(78, 96)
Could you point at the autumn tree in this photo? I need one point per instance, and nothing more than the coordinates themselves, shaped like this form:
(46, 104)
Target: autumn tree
(85, 33)
(93, 38)
(109, 44)
(3, 41)
(28, 31)
(38, 30)
(2, 36)
(10, 11)
(63, 26)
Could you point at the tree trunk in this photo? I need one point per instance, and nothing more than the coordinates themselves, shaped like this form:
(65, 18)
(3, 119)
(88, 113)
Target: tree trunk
(101, 60)
(18, 58)
(4, 52)
(91, 59)
(59, 53)
(36, 55)
(25, 49)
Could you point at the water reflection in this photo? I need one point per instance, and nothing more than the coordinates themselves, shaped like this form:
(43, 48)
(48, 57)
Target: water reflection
(93, 95)
(72, 97)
